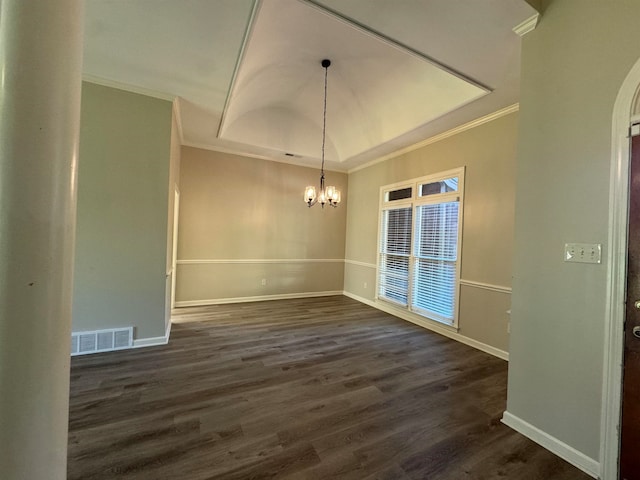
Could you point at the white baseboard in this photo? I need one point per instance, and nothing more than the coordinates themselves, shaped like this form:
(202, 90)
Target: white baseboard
(587, 464)
(408, 316)
(153, 341)
(260, 298)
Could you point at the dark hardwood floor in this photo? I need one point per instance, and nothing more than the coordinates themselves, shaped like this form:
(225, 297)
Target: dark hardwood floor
(298, 389)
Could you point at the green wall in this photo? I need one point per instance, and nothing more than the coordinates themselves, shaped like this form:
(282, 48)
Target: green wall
(573, 66)
(121, 237)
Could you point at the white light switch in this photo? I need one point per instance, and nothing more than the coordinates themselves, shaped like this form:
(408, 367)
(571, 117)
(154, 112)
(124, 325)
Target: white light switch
(583, 252)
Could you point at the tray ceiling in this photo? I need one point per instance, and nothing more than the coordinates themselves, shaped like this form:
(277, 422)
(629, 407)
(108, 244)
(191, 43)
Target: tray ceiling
(249, 79)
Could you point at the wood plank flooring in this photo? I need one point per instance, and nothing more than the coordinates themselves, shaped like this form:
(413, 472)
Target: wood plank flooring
(298, 389)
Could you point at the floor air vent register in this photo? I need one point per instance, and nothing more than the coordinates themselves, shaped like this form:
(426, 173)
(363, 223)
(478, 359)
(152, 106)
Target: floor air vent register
(83, 343)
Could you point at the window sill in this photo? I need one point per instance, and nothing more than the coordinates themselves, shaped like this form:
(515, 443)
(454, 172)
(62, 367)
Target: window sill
(412, 317)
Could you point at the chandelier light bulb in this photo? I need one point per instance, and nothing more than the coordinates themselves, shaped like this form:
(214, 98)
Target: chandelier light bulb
(322, 198)
(331, 191)
(310, 195)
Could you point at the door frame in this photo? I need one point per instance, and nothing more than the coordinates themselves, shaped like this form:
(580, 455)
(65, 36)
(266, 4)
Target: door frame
(174, 245)
(616, 275)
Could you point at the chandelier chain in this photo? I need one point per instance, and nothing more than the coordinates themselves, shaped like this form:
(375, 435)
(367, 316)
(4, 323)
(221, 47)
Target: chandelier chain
(324, 118)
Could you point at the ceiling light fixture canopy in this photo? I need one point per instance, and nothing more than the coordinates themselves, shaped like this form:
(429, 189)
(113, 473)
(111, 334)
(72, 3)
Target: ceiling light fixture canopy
(330, 194)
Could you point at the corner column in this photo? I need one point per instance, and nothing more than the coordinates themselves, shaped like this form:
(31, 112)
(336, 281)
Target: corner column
(40, 87)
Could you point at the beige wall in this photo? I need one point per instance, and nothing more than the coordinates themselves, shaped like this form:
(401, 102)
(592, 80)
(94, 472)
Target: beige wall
(243, 220)
(121, 242)
(573, 66)
(488, 152)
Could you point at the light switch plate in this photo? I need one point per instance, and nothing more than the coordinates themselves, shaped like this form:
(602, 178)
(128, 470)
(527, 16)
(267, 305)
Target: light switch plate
(583, 252)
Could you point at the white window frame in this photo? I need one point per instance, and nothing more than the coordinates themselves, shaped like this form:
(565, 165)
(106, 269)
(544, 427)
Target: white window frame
(395, 205)
(415, 201)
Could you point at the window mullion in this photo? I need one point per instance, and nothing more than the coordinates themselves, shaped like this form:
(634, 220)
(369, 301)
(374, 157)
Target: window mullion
(411, 259)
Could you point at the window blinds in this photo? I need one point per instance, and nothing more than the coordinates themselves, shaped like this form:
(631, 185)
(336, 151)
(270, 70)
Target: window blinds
(435, 252)
(395, 251)
(418, 251)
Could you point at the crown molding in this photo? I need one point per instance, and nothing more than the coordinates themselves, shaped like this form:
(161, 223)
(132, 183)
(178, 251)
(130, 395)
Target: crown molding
(232, 151)
(105, 82)
(527, 26)
(441, 136)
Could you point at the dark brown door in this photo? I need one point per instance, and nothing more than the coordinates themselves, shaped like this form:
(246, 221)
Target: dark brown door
(630, 435)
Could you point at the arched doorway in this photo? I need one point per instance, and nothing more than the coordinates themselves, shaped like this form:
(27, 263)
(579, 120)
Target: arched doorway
(626, 111)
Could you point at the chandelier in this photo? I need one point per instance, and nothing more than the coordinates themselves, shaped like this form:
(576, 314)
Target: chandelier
(330, 194)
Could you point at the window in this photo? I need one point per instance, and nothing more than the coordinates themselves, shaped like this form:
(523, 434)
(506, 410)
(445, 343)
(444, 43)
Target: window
(394, 255)
(418, 261)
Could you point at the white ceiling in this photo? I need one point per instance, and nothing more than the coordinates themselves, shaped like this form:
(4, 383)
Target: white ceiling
(249, 79)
